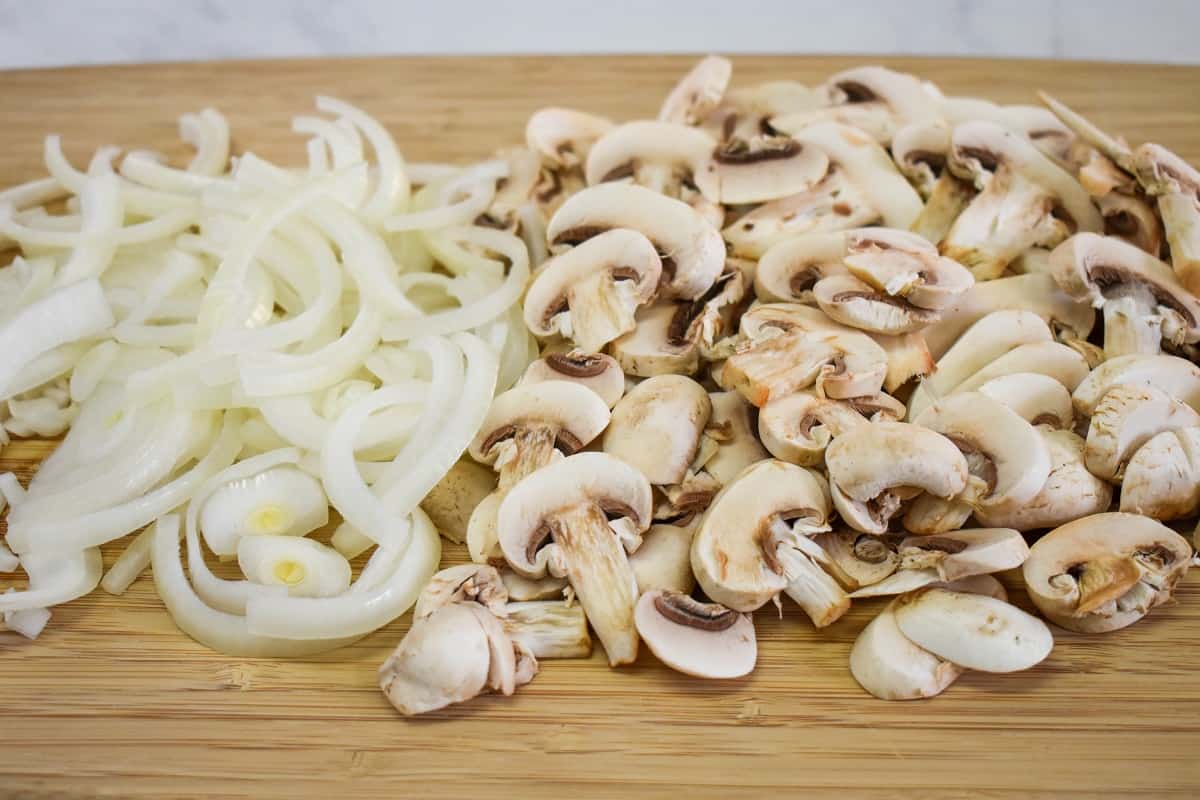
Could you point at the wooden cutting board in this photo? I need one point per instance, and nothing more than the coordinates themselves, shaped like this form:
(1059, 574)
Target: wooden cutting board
(112, 700)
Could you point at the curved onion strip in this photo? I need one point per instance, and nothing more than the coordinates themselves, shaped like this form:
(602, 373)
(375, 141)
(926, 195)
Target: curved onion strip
(267, 374)
(98, 527)
(423, 173)
(132, 562)
(138, 200)
(159, 227)
(354, 613)
(479, 185)
(55, 578)
(343, 144)
(144, 168)
(33, 193)
(225, 633)
(44, 368)
(392, 188)
(208, 132)
(101, 215)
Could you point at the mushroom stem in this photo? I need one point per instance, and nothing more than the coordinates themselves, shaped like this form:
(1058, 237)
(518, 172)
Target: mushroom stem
(1131, 322)
(599, 571)
(950, 195)
(811, 587)
(548, 629)
(531, 448)
(1105, 580)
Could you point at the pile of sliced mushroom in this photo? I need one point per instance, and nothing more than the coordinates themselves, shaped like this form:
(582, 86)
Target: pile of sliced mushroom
(837, 343)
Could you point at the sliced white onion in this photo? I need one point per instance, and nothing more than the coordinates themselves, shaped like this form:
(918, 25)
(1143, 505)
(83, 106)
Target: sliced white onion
(132, 562)
(29, 622)
(282, 501)
(55, 579)
(302, 566)
(350, 541)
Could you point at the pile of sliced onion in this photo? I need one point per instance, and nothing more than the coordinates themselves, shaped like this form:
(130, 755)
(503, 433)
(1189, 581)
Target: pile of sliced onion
(235, 347)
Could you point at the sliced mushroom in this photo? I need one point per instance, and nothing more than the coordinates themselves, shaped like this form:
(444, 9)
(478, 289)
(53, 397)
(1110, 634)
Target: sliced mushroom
(1065, 364)
(973, 631)
(765, 168)
(873, 99)
(1070, 490)
(858, 559)
(551, 629)
(1037, 399)
(1142, 300)
(1127, 417)
(852, 302)
(600, 373)
(563, 136)
(483, 542)
(660, 344)
(797, 428)
(965, 553)
(698, 92)
(566, 503)
(1025, 200)
(589, 293)
(1105, 572)
(889, 666)
(702, 639)
(693, 254)
(662, 562)
(947, 199)
(1162, 479)
(747, 111)
(658, 155)
(753, 543)
(1040, 126)
(732, 427)
(873, 468)
(1176, 185)
(1133, 220)
(1177, 377)
(521, 588)
(908, 357)
(920, 150)
(460, 584)
(452, 499)
(905, 266)
(789, 270)
(656, 427)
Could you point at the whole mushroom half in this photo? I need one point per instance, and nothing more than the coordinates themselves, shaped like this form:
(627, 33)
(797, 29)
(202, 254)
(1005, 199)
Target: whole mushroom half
(702, 639)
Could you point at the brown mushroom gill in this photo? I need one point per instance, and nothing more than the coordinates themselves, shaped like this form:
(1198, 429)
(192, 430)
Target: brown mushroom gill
(685, 610)
(533, 436)
(979, 464)
(740, 151)
(578, 365)
(1107, 276)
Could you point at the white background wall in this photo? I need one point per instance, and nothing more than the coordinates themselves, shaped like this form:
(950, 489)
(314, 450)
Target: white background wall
(54, 32)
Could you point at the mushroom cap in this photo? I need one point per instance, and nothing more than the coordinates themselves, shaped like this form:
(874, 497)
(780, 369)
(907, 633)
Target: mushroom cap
(706, 640)
(443, 659)
(1040, 126)
(965, 553)
(1162, 479)
(660, 343)
(850, 301)
(732, 426)
(857, 559)
(1109, 544)
(889, 666)
(787, 271)
(656, 427)
(869, 459)
(452, 499)
(973, 631)
(663, 561)
(483, 543)
(692, 249)
(698, 92)
(733, 551)
(765, 168)
(1131, 219)
(562, 136)
(599, 282)
(1087, 265)
(1176, 376)
(1001, 447)
(1070, 491)
(1127, 417)
(1038, 399)
(632, 145)
(479, 583)
(619, 489)
(905, 265)
(598, 372)
(919, 150)
(1161, 172)
(798, 427)
(1065, 364)
(576, 413)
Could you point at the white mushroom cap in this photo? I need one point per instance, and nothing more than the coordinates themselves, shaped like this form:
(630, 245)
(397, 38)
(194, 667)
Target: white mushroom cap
(1105, 572)
(1177, 377)
(788, 270)
(651, 150)
(663, 561)
(1038, 399)
(1065, 364)
(452, 499)
(765, 168)
(698, 92)
(870, 98)
(656, 427)
(732, 427)
(598, 372)
(692, 250)
(798, 427)
(920, 150)
(479, 583)
(858, 559)
(1125, 419)
(1162, 479)
(563, 136)
(590, 292)
(905, 265)
(867, 464)
(1131, 219)
(963, 554)
(1038, 125)
(746, 111)
(660, 343)
(852, 302)
(702, 639)
(889, 666)
(973, 631)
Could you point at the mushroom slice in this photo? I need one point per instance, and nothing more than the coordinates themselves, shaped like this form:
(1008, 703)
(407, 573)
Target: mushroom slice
(947, 199)
(1133, 220)
(1177, 377)
(1070, 491)
(798, 427)
(443, 659)
(658, 155)
(858, 559)
(548, 629)
(698, 92)
(873, 99)
(908, 357)
(1105, 572)
(660, 344)
(563, 136)
(706, 640)
(905, 265)
(656, 427)
(524, 589)
(477, 583)
(965, 553)
(693, 254)
(525, 425)
(452, 499)
(919, 150)
(600, 373)
(1038, 125)
(1162, 479)
(872, 466)
(589, 293)
(1025, 200)
(789, 270)
(753, 542)
(662, 562)
(483, 542)
(836, 203)
(1140, 295)
(973, 631)
(1070, 318)
(1007, 459)
(1037, 399)
(567, 502)
(732, 427)
(889, 666)
(852, 302)
(747, 111)
(1176, 185)
(765, 168)
(1065, 364)
(1125, 419)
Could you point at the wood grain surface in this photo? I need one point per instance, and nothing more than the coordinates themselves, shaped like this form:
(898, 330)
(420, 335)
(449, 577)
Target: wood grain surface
(113, 701)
